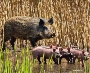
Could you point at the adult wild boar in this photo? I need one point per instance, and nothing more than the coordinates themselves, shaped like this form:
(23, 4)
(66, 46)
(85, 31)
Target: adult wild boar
(48, 53)
(24, 27)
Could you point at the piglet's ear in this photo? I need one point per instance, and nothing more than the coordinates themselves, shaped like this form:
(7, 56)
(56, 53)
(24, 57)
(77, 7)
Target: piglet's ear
(54, 50)
(57, 45)
(50, 21)
(82, 51)
(60, 49)
(51, 46)
(68, 49)
(41, 23)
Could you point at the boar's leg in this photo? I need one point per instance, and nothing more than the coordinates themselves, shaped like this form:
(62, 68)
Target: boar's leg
(38, 38)
(32, 40)
(3, 46)
(5, 40)
(13, 39)
(39, 59)
(7, 35)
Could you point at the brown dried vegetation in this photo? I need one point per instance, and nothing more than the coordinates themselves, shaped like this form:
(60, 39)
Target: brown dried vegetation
(71, 18)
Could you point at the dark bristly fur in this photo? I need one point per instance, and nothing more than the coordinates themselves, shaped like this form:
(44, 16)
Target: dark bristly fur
(23, 27)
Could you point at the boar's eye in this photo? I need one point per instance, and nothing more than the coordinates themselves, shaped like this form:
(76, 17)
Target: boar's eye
(41, 23)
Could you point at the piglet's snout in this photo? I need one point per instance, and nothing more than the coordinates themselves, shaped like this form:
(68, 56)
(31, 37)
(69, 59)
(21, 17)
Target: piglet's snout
(88, 57)
(58, 55)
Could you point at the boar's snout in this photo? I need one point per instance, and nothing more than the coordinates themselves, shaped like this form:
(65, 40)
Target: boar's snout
(52, 35)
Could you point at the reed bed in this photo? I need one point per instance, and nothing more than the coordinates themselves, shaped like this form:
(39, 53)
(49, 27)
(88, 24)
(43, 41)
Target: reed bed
(71, 25)
(71, 18)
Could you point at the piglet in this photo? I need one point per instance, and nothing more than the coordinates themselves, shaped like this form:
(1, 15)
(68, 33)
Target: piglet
(81, 55)
(65, 54)
(39, 51)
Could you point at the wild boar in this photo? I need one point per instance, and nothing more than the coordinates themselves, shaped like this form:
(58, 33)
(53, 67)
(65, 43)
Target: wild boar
(27, 28)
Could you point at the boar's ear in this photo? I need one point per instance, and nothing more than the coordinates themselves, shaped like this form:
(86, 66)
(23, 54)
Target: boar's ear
(41, 23)
(50, 21)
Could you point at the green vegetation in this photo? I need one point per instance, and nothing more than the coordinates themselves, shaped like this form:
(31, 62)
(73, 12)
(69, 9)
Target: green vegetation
(22, 62)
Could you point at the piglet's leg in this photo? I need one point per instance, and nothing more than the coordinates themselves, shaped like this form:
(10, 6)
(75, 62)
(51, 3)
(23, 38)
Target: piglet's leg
(45, 60)
(39, 59)
(73, 59)
(55, 60)
(82, 63)
(60, 60)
